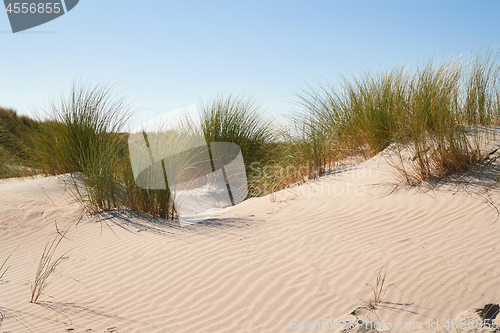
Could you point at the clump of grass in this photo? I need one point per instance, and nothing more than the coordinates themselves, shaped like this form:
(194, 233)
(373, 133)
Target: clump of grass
(81, 137)
(239, 120)
(378, 290)
(157, 202)
(309, 151)
(312, 140)
(7, 164)
(47, 265)
(80, 128)
(340, 125)
(307, 148)
(453, 106)
(362, 117)
(439, 113)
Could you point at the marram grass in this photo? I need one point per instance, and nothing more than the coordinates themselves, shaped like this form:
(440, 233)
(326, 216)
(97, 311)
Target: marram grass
(47, 265)
(439, 112)
(436, 117)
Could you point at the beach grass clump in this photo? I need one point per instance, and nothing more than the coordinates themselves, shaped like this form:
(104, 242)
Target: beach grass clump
(433, 132)
(305, 151)
(81, 138)
(358, 118)
(79, 128)
(12, 128)
(482, 94)
(439, 114)
(452, 109)
(313, 139)
(47, 265)
(239, 120)
(9, 165)
(362, 115)
(155, 202)
(373, 107)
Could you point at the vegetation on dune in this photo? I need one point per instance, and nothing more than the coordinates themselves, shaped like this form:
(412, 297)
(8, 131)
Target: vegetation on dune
(378, 290)
(436, 118)
(155, 202)
(240, 120)
(12, 153)
(440, 113)
(12, 127)
(79, 128)
(80, 137)
(47, 265)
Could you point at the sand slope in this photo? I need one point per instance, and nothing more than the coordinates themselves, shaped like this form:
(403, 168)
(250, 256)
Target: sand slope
(302, 255)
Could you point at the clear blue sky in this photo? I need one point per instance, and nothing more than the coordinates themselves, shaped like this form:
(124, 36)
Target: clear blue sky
(167, 54)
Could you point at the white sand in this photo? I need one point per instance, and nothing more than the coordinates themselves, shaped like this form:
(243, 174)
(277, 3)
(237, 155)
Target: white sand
(299, 256)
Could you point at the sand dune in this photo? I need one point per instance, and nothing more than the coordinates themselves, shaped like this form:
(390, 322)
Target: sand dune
(303, 255)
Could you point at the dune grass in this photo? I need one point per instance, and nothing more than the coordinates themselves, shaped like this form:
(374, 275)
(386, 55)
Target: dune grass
(79, 129)
(439, 114)
(9, 165)
(47, 265)
(80, 138)
(157, 203)
(436, 118)
(240, 120)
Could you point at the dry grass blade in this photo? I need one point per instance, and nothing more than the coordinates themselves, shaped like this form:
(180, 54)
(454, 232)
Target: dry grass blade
(378, 289)
(47, 265)
(2, 271)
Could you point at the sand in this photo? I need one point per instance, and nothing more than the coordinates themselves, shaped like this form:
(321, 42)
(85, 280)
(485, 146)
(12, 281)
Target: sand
(281, 263)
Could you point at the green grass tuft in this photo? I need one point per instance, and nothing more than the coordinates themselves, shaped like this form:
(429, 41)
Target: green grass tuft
(436, 117)
(440, 113)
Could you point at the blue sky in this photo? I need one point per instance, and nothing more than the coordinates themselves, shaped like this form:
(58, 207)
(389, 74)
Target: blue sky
(164, 55)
